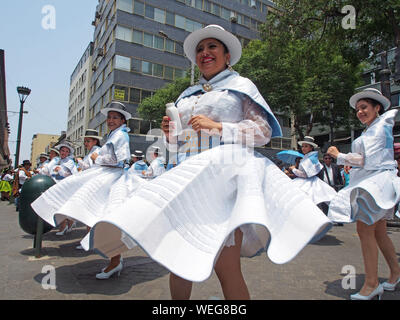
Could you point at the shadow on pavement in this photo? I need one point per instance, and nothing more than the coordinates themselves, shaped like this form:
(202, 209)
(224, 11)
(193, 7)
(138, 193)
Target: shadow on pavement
(328, 240)
(81, 278)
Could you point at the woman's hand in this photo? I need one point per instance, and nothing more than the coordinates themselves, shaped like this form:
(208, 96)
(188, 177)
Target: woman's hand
(333, 152)
(94, 156)
(201, 122)
(56, 169)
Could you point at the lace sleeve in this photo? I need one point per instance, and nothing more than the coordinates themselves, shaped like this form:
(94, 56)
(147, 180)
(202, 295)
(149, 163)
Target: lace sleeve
(299, 173)
(107, 156)
(253, 130)
(350, 159)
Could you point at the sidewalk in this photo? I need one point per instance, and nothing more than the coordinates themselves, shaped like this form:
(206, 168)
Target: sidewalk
(315, 274)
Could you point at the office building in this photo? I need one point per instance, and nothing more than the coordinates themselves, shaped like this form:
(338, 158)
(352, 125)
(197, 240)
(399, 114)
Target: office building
(138, 48)
(79, 99)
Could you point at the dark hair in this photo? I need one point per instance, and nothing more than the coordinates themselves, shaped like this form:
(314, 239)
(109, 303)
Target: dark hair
(374, 103)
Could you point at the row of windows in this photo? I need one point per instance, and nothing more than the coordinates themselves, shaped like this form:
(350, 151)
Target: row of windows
(203, 5)
(227, 14)
(166, 17)
(120, 93)
(148, 40)
(148, 68)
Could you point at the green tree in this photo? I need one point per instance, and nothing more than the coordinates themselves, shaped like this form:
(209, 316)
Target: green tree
(298, 67)
(153, 108)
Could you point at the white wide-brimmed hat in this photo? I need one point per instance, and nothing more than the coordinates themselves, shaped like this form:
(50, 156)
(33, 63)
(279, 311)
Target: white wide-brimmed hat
(43, 155)
(137, 154)
(371, 93)
(217, 32)
(55, 150)
(309, 140)
(67, 145)
(118, 107)
(92, 133)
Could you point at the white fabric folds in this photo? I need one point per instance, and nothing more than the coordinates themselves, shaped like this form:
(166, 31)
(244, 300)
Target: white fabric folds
(183, 217)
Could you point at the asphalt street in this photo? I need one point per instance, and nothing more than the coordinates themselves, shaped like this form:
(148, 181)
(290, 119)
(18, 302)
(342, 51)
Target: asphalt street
(322, 271)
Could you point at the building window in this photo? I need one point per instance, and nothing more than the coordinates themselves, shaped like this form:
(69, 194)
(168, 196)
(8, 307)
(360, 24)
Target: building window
(122, 63)
(139, 7)
(149, 12)
(136, 65)
(123, 33)
(138, 37)
(125, 5)
(159, 15)
(169, 73)
(134, 95)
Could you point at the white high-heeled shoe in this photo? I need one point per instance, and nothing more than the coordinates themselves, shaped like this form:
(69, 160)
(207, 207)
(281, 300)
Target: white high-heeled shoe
(377, 292)
(63, 231)
(105, 275)
(390, 286)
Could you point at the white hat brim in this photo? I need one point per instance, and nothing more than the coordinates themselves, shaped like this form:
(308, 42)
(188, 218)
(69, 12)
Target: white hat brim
(216, 32)
(372, 95)
(105, 111)
(71, 149)
(93, 137)
(307, 142)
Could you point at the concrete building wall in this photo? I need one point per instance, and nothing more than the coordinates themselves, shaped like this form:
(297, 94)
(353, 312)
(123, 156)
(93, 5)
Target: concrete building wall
(111, 15)
(79, 99)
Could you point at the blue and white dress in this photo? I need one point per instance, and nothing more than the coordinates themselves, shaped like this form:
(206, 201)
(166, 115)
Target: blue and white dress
(374, 187)
(139, 167)
(89, 194)
(308, 181)
(48, 168)
(87, 161)
(184, 217)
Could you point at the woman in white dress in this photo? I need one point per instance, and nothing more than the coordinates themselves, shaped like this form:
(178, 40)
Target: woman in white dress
(91, 141)
(54, 158)
(306, 175)
(92, 193)
(373, 190)
(223, 202)
(61, 170)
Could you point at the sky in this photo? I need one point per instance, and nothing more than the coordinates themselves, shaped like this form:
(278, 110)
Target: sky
(43, 42)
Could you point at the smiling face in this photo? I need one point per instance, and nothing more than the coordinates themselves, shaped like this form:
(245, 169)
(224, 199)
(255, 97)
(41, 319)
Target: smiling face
(366, 112)
(64, 152)
(115, 120)
(53, 154)
(89, 143)
(211, 57)
(306, 148)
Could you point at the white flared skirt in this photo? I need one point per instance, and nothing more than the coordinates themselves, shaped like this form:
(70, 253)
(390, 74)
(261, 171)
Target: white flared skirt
(369, 197)
(183, 218)
(86, 196)
(319, 191)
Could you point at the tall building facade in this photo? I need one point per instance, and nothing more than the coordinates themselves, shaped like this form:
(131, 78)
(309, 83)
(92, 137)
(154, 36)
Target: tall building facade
(138, 48)
(79, 100)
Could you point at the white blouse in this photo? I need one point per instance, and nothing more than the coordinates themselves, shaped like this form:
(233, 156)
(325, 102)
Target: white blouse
(242, 119)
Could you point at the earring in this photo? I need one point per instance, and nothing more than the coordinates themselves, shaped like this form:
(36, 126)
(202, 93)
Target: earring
(229, 66)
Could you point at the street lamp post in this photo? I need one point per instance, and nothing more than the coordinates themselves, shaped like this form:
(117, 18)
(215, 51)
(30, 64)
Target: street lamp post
(23, 94)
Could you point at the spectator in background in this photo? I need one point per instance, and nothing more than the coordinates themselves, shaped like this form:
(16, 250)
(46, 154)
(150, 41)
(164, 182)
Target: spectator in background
(330, 173)
(346, 175)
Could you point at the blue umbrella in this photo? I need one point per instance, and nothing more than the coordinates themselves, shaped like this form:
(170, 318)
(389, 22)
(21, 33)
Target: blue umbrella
(289, 156)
